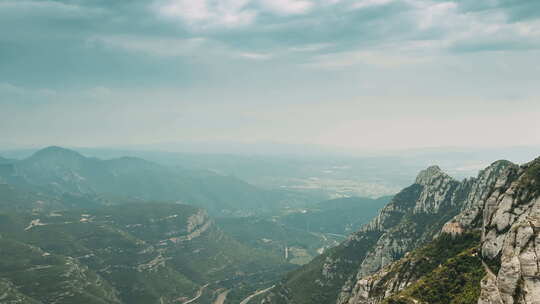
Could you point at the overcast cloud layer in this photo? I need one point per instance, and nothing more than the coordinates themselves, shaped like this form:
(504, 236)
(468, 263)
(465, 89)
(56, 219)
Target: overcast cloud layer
(365, 74)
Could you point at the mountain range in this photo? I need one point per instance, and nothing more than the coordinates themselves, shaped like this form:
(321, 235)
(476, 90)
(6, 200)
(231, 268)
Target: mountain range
(439, 240)
(62, 171)
(76, 229)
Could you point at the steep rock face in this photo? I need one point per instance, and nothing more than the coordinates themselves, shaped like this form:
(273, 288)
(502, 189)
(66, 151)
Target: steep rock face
(511, 238)
(411, 219)
(471, 213)
(503, 204)
(441, 197)
(439, 193)
(363, 268)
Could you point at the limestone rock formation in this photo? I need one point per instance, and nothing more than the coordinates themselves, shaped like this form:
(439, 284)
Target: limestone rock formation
(511, 239)
(501, 204)
(440, 197)
(504, 205)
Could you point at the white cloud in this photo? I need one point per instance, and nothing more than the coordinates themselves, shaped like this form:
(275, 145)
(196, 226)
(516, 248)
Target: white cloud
(367, 3)
(208, 13)
(461, 30)
(287, 7)
(255, 56)
(310, 47)
(435, 13)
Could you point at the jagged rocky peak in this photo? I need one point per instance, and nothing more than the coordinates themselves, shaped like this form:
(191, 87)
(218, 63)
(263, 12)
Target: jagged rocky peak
(435, 196)
(481, 187)
(427, 176)
(440, 196)
(501, 205)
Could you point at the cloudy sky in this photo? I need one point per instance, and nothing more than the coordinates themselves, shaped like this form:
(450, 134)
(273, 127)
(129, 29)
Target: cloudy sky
(362, 74)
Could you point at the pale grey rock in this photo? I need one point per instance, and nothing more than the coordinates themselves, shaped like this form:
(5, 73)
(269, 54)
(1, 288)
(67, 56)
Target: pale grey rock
(453, 228)
(489, 293)
(487, 180)
(439, 192)
(197, 224)
(439, 196)
(500, 203)
(426, 176)
(512, 232)
(492, 244)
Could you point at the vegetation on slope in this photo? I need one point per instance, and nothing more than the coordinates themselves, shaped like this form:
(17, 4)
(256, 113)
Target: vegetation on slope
(143, 254)
(531, 177)
(449, 271)
(321, 280)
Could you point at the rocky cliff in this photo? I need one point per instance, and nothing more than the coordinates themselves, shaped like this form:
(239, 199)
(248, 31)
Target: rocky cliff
(500, 204)
(511, 238)
(440, 193)
(503, 206)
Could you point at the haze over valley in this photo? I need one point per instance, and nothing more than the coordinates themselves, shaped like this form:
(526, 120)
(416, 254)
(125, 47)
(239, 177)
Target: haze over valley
(269, 152)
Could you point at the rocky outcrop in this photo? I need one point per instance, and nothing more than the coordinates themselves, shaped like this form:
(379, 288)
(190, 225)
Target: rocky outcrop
(471, 215)
(466, 198)
(196, 225)
(440, 197)
(453, 228)
(511, 238)
(436, 192)
(502, 204)
(411, 219)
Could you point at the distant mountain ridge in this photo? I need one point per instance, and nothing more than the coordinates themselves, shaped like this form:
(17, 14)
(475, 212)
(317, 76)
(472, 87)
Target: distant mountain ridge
(67, 171)
(75, 229)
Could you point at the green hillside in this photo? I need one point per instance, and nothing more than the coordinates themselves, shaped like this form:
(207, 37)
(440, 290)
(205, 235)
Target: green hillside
(141, 253)
(447, 271)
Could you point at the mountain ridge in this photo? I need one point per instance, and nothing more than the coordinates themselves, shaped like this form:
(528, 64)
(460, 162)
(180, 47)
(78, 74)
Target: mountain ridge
(413, 218)
(63, 171)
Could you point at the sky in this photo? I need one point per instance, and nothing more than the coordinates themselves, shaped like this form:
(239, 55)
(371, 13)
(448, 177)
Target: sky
(346, 74)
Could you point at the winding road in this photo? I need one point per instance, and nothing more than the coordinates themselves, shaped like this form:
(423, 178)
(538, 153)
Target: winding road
(246, 300)
(199, 294)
